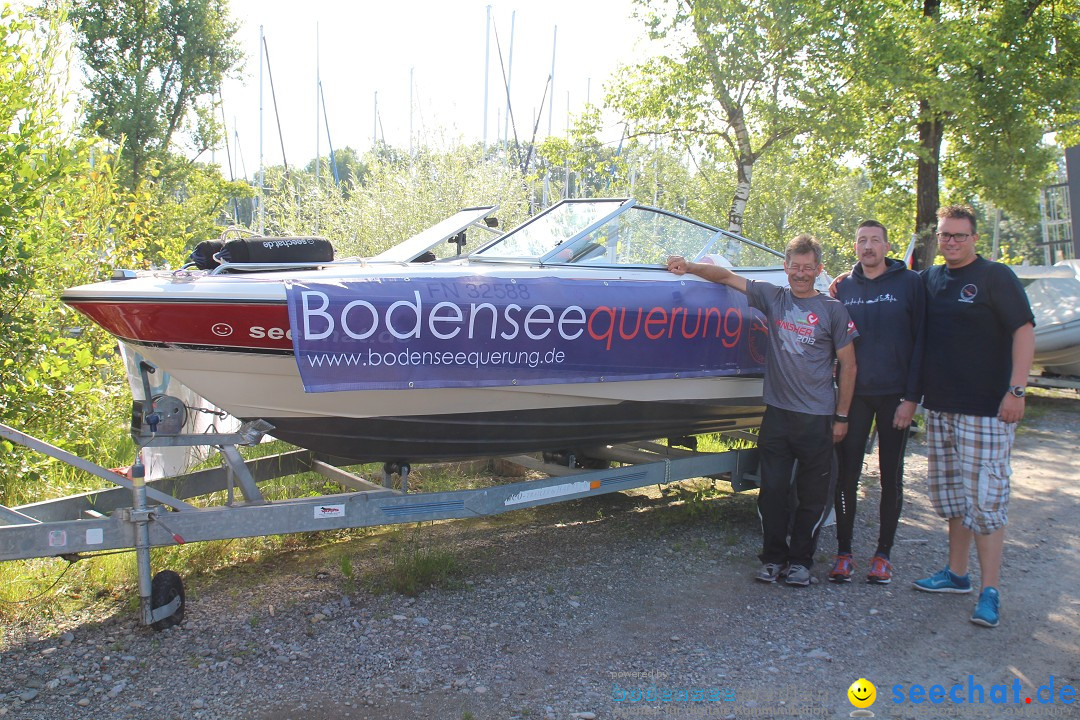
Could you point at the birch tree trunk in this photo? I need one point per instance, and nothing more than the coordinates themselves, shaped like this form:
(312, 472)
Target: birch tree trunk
(742, 195)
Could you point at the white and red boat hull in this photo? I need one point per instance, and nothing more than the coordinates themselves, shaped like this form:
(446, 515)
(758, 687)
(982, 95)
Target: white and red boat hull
(228, 338)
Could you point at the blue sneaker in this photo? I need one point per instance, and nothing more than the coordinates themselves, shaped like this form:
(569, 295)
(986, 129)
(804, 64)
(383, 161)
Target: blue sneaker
(944, 581)
(986, 611)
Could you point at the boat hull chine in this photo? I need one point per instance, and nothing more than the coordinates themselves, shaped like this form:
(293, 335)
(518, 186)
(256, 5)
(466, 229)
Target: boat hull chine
(456, 436)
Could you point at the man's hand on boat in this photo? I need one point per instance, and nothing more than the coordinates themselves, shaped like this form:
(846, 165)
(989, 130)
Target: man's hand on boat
(707, 271)
(678, 264)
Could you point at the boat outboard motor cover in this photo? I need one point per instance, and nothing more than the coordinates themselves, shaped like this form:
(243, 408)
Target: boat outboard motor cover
(208, 254)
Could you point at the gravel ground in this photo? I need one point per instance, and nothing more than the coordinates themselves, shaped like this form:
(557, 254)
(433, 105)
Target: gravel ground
(571, 610)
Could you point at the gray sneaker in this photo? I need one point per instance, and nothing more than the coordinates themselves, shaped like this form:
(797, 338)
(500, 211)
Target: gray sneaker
(769, 572)
(798, 575)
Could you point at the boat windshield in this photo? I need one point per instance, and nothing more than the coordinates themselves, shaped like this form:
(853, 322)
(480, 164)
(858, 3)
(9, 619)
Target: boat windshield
(441, 240)
(619, 232)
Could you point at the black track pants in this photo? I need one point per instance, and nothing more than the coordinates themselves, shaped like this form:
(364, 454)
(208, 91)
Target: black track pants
(785, 437)
(891, 446)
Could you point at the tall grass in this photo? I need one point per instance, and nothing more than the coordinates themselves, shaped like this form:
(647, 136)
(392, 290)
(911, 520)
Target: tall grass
(415, 565)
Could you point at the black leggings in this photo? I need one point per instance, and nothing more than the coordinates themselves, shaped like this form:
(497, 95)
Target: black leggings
(891, 446)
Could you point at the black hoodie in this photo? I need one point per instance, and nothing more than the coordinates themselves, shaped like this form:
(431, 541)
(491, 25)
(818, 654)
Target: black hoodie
(889, 312)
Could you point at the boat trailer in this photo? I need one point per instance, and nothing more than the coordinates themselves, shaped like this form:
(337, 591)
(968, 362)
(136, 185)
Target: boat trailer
(1055, 382)
(139, 515)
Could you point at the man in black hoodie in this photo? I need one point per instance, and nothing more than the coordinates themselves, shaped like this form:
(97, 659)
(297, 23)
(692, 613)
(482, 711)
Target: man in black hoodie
(887, 302)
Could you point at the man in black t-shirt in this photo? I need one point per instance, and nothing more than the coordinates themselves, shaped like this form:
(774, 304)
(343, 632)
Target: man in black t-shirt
(979, 344)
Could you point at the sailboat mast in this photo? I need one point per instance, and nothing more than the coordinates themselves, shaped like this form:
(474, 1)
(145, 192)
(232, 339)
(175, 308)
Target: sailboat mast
(551, 114)
(487, 65)
(277, 115)
(228, 157)
(551, 105)
(329, 139)
(262, 172)
(509, 75)
(318, 89)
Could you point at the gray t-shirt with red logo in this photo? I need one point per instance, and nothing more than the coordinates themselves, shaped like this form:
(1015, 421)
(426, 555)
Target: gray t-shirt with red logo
(804, 335)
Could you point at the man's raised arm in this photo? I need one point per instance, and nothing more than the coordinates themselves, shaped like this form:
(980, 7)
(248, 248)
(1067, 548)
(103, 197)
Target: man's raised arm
(707, 271)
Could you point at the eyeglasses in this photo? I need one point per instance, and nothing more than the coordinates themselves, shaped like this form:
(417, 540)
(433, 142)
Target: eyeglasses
(953, 237)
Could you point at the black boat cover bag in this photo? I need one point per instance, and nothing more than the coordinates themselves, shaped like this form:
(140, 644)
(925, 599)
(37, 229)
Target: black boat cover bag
(203, 254)
(262, 250)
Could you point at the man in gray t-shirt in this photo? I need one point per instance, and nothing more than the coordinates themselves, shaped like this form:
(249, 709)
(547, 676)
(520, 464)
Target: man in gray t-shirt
(803, 415)
(804, 334)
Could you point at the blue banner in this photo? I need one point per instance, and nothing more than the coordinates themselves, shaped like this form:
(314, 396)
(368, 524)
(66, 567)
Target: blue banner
(381, 334)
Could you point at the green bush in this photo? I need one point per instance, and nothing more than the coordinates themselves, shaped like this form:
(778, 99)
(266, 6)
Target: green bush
(398, 197)
(61, 221)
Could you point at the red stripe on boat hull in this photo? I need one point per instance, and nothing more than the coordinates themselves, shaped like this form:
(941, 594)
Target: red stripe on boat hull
(262, 326)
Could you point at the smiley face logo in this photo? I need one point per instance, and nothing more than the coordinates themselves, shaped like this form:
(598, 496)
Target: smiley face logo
(862, 693)
(222, 329)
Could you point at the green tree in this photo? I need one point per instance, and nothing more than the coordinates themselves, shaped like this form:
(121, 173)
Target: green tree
(153, 68)
(738, 78)
(351, 169)
(805, 192)
(60, 220)
(964, 91)
(191, 207)
(659, 173)
(581, 165)
(799, 190)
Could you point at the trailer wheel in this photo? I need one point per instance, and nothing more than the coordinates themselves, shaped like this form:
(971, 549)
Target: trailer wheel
(166, 586)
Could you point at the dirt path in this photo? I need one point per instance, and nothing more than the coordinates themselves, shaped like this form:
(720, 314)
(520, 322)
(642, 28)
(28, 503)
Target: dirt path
(571, 611)
(782, 652)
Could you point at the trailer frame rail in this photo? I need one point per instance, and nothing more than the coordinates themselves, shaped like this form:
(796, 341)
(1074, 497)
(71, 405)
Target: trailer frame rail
(139, 515)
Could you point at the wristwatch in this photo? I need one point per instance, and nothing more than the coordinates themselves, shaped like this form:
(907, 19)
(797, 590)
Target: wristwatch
(1018, 391)
(839, 418)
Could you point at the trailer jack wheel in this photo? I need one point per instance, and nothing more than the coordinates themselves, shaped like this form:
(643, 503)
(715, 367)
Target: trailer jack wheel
(164, 589)
(570, 458)
(402, 469)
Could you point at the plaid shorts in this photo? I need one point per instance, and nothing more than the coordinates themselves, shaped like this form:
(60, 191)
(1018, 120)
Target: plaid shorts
(969, 468)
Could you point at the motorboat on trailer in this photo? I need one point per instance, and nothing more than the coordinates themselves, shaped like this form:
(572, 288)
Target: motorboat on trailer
(563, 333)
(1054, 294)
